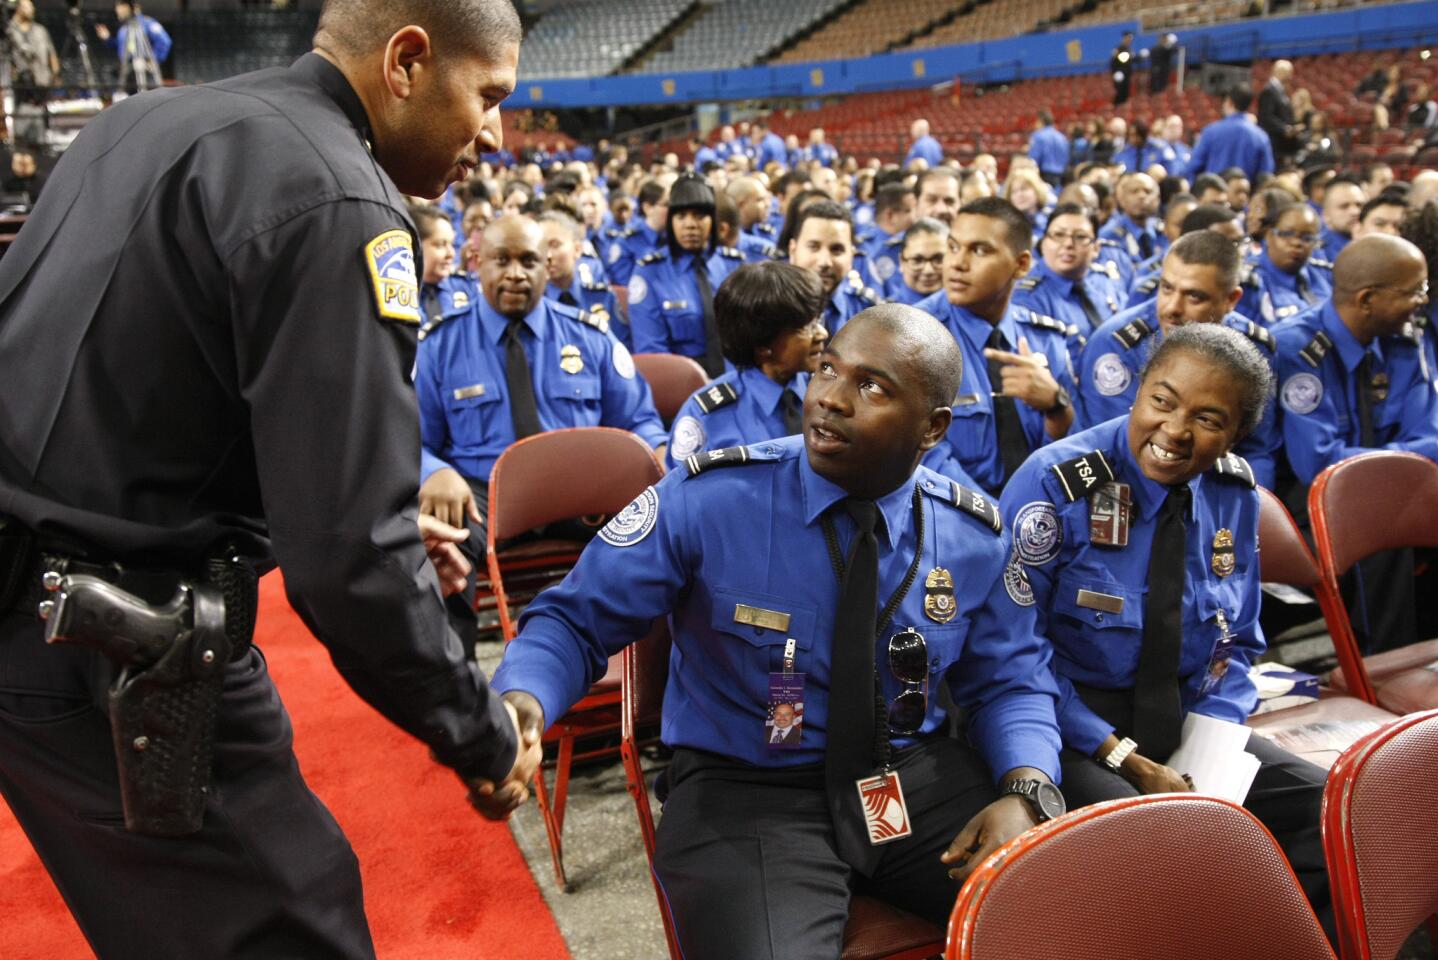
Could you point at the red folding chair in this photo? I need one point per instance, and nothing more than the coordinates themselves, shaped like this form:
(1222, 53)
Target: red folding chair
(875, 931)
(1360, 506)
(672, 378)
(1381, 838)
(533, 484)
(1320, 731)
(1170, 876)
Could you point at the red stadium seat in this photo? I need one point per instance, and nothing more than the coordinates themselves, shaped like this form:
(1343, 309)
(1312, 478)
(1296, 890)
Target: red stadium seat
(672, 378)
(1319, 731)
(1161, 877)
(1381, 839)
(875, 931)
(523, 496)
(1350, 523)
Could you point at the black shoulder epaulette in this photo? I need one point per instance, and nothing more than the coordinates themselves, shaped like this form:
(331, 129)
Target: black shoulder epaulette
(770, 251)
(594, 285)
(976, 504)
(613, 233)
(897, 240)
(1147, 287)
(1106, 242)
(1235, 468)
(629, 231)
(599, 320)
(708, 460)
(430, 326)
(1317, 349)
(762, 227)
(1045, 322)
(730, 252)
(1131, 334)
(1259, 334)
(1030, 283)
(716, 396)
(1082, 475)
(653, 256)
(1320, 263)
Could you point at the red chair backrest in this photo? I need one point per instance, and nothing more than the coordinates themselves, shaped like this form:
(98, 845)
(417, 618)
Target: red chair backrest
(672, 379)
(1381, 836)
(563, 474)
(1283, 555)
(1170, 876)
(1371, 502)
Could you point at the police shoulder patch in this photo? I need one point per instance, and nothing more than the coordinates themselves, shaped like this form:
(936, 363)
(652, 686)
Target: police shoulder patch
(1082, 475)
(389, 259)
(716, 396)
(977, 505)
(1234, 467)
(1316, 349)
(654, 256)
(1131, 334)
(634, 522)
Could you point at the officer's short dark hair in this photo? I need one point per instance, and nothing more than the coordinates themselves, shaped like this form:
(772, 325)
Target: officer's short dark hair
(925, 227)
(1240, 95)
(562, 181)
(821, 210)
(1231, 352)
(1384, 199)
(564, 218)
(1210, 249)
(650, 193)
(425, 216)
(1208, 181)
(887, 175)
(1233, 173)
(1348, 178)
(726, 211)
(1205, 216)
(761, 301)
(1275, 201)
(942, 170)
(1313, 175)
(516, 186)
(1018, 232)
(1169, 189)
(1101, 191)
(937, 359)
(1075, 210)
(1139, 127)
(358, 27)
(890, 196)
(1420, 228)
(1046, 118)
(790, 178)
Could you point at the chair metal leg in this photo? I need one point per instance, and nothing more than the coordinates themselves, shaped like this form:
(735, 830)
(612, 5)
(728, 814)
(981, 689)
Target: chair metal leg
(551, 808)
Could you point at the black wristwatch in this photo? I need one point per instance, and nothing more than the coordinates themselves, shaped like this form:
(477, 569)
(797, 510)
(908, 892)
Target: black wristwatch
(1043, 796)
(1061, 403)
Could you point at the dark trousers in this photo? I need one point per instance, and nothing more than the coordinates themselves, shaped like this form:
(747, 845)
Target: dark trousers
(269, 876)
(1287, 796)
(751, 868)
(460, 606)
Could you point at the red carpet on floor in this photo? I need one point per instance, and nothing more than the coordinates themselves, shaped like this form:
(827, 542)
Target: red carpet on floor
(440, 882)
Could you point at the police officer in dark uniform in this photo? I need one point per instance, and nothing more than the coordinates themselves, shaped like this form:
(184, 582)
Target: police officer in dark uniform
(230, 379)
(814, 571)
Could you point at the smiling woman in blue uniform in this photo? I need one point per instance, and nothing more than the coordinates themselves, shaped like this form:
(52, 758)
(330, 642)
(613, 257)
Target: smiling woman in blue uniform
(921, 262)
(768, 320)
(671, 294)
(1136, 543)
(790, 572)
(442, 294)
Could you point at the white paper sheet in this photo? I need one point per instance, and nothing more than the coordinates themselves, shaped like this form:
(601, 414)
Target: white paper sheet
(1212, 753)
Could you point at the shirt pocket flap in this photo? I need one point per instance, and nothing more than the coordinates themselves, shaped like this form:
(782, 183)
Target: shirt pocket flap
(763, 619)
(458, 396)
(574, 388)
(1098, 602)
(945, 642)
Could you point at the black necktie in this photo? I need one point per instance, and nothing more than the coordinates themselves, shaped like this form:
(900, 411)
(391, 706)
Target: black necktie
(1082, 299)
(1145, 244)
(793, 406)
(1303, 289)
(849, 754)
(523, 410)
(713, 361)
(431, 305)
(1364, 391)
(1013, 445)
(1157, 717)
(567, 299)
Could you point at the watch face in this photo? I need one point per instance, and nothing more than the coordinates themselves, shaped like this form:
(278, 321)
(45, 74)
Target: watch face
(1050, 800)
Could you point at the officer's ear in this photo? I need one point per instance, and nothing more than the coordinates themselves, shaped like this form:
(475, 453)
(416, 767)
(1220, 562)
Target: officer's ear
(1022, 262)
(407, 57)
(934, 430)
(1234, 295)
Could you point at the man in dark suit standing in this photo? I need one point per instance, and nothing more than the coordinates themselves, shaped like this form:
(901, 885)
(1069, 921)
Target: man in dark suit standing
(1120, 64)
(1275, 112)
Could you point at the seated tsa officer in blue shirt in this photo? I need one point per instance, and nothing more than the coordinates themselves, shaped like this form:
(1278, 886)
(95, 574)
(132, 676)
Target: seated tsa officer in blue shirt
(921, 262)
(513, 365)
(768, 320)
(442, 293)
(1138, 547)
(569, 283)
(816, 571)
(823, 242)
(1290, 278)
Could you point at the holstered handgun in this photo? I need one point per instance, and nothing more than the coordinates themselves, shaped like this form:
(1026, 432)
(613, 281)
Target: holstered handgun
(164, 702)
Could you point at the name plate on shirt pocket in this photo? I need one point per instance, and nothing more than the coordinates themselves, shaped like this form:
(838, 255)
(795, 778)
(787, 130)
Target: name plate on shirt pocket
(465, 393)
(759, 617)
(1100, 601)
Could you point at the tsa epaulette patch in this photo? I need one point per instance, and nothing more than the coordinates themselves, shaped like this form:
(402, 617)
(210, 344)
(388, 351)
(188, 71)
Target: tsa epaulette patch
(1147, 288)
(708, 460)
(716, 396)
(1036, 319)
(594, 286)
(975, 503)
(1234, 466)
(731, 253)
(1320, 263)
(653, 257)
(1260, 335)
(390, 260)
(1082, 475)
(1131, 334)
(598, 318)
(1317, 349)
(1029, 283)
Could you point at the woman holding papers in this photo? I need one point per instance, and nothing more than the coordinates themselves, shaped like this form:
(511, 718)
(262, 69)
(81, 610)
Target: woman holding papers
(1136, 541)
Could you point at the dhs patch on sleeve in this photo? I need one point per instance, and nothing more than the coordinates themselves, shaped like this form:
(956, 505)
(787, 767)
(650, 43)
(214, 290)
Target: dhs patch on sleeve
(390, 259)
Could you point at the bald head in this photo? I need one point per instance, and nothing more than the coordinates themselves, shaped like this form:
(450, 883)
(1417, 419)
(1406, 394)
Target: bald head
(1283, 70)
(1377, 260)
(920, 128)
(1425, 188)
(360, 27)
(921, 343)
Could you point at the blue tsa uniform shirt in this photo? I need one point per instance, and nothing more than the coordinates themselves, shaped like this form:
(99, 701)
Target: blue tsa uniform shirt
(1045, 292)
(1234, 141)
(735, 409)
(898, 291)
(1275, 295)
(756, 248)
(1108, 378)
(595, 298)
(1081, 512)
(883, 251)
(851, 297)
(637, 241)
(732, 547)
(1136, 242)
(582, 377)
(1318, 374)
(665, 312)
(972, 439)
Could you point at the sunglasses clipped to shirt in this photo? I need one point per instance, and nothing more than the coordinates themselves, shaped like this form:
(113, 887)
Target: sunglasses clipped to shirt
(909, 663)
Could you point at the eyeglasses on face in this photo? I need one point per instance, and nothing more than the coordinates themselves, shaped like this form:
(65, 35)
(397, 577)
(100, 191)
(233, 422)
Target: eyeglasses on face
(1080, 240)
